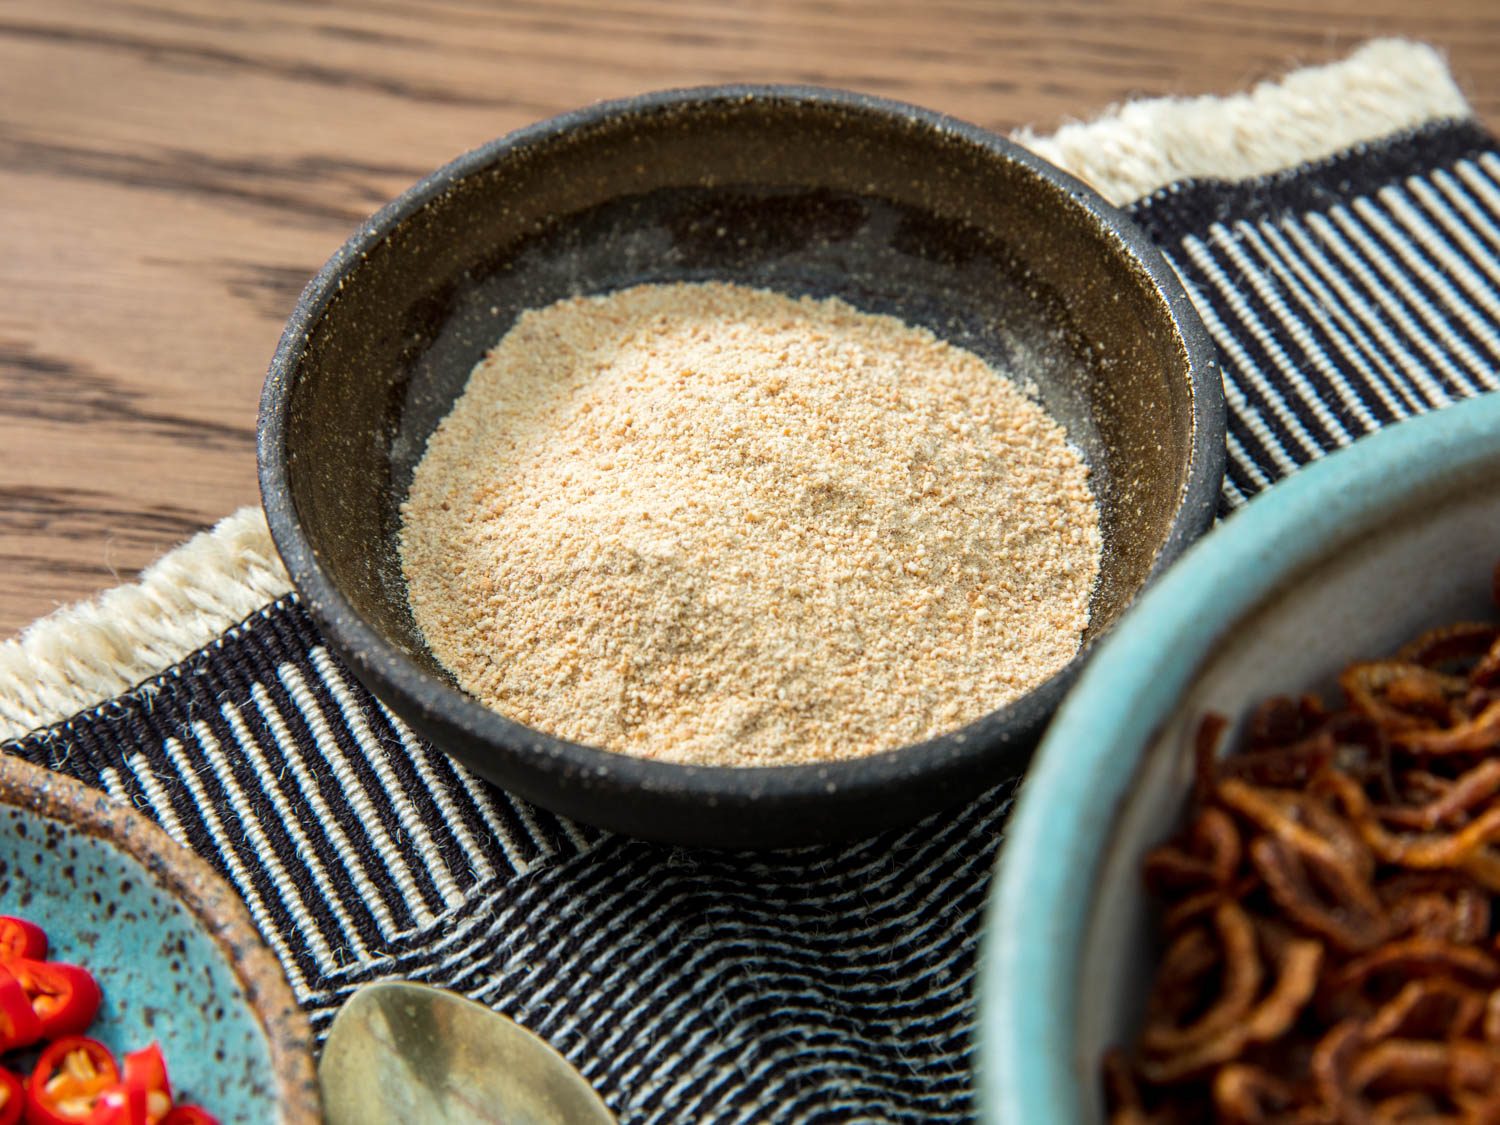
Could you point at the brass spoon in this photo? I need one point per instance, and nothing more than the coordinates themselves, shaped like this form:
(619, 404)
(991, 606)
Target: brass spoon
(402, 1052)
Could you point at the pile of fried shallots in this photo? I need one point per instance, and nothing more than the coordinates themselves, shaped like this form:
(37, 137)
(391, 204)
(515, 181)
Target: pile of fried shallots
(1330, 948)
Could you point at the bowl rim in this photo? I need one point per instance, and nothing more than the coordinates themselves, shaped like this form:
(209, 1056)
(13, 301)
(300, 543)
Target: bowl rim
(187, 877)
(385, 666)
(1081, 778)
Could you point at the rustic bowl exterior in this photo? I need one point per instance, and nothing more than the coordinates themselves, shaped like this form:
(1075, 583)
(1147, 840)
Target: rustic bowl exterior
(896, 209)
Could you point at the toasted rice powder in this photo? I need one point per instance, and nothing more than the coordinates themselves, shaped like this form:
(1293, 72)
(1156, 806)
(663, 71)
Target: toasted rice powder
(713, 524)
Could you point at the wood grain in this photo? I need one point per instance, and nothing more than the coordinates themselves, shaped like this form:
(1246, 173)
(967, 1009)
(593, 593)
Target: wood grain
(171, 172)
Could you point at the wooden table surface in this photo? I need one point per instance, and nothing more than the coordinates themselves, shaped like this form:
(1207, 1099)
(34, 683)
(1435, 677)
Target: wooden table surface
(172, 171)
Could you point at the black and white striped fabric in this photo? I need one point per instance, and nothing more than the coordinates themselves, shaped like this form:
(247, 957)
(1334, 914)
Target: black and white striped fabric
(1343, 296)
(826, 983)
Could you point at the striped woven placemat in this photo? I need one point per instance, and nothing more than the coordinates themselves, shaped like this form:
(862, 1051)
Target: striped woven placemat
(1340, 233)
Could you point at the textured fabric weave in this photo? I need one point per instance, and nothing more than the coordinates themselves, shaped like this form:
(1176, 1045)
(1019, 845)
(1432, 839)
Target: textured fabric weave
(821, 984)
(1343, 296)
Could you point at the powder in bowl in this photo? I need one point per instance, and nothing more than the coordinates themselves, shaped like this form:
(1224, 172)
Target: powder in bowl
(712, 524)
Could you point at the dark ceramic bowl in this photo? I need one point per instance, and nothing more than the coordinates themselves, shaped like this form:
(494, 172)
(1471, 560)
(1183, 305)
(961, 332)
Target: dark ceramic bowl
(895, 209)
(170, 944)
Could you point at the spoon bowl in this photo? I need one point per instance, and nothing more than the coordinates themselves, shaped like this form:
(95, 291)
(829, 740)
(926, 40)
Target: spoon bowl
(409, 1052)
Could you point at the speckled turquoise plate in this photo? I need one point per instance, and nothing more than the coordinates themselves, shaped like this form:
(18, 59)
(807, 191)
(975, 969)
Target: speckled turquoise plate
(171, 946)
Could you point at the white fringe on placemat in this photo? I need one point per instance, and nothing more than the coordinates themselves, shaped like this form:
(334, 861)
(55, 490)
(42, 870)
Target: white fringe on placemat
(1387, 86)
(85, 654)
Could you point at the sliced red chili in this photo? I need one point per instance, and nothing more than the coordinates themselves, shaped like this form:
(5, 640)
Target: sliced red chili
(120, 1105)
(189, 1115)
(19, 1025)
(20, 938)
(146, 1071)
(68, 1081)
(64, 997)
(12, 1098)
(142, 1097)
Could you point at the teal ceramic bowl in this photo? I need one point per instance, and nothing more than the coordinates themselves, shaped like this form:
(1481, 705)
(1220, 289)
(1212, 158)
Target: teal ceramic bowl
(171, 946)
(1347, 558)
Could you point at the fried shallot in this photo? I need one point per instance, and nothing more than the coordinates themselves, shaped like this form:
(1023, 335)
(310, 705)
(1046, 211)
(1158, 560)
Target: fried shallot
(1327, 925)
